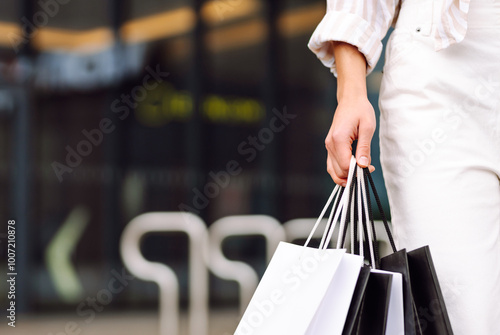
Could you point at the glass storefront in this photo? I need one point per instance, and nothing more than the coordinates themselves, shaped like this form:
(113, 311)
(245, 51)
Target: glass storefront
(110, 109)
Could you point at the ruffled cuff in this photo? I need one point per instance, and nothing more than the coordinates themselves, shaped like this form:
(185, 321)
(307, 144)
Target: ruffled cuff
(349, 28)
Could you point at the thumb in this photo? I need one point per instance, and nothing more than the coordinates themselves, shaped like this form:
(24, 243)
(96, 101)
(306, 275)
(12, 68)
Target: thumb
(363, 157)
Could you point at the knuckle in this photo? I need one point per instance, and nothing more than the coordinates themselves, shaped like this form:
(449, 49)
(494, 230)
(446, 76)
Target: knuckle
(328, 142)
(333, 174)
(363, 146)
(345, 169)
(337, 135)
(368, 126)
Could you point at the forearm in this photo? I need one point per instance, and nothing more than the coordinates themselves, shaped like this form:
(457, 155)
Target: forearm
(351, 71)
(354, 118)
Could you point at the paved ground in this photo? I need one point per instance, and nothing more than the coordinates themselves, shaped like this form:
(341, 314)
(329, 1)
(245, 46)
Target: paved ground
(221, 323)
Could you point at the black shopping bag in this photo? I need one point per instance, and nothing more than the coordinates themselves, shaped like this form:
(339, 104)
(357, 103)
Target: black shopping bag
(421, 289)
(352, 320)
(369, 305)
(398, 262)
(372, 319)
(369, 309)
(430, 307)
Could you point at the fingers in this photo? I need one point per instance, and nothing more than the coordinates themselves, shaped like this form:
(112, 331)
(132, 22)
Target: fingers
(331, 172)
(363, 157)
(339, 150)
(340, 181)
(353, 119)
(343, 154)
(338, 171)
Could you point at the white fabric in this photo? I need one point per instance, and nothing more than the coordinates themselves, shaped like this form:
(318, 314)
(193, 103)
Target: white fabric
(440, 154)
(364, 24)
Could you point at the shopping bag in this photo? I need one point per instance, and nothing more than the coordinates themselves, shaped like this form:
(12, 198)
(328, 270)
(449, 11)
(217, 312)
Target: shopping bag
(304, 290)
(377, 308)
(398, 262)
(377, 304)
(422, 292)
(332, 313)
(291, 290)
(427, 294)
(395, 310)
(351, 325)
(372, 319)
(421, 287)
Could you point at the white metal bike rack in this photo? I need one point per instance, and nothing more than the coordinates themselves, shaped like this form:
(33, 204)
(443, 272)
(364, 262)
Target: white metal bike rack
(242, 273)
(300, 228)
(162, 275)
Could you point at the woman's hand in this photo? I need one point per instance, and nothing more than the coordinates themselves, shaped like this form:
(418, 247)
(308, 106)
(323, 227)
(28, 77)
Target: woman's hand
(354, 118)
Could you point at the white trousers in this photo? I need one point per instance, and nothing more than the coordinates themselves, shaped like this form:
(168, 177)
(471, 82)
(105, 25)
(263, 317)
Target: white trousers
(440, 154)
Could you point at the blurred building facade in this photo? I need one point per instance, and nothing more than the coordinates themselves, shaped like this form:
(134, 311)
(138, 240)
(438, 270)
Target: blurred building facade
(109, 109)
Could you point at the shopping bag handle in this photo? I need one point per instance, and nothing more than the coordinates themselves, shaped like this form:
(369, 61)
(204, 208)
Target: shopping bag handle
(330, 222)
(364, 218)
(342, 209)
(316, 224)
(338, 208)
(358, 217)
(350, 219)
(368, 178)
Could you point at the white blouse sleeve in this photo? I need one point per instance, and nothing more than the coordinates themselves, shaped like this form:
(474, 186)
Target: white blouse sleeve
(362, 23)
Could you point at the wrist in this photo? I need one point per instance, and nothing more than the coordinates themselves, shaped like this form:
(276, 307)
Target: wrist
(353, 94)
(351, 72)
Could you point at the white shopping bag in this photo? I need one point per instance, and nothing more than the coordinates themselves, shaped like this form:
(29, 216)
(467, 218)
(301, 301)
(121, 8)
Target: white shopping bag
(296, 282)
(332, 313)
(306, 291)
